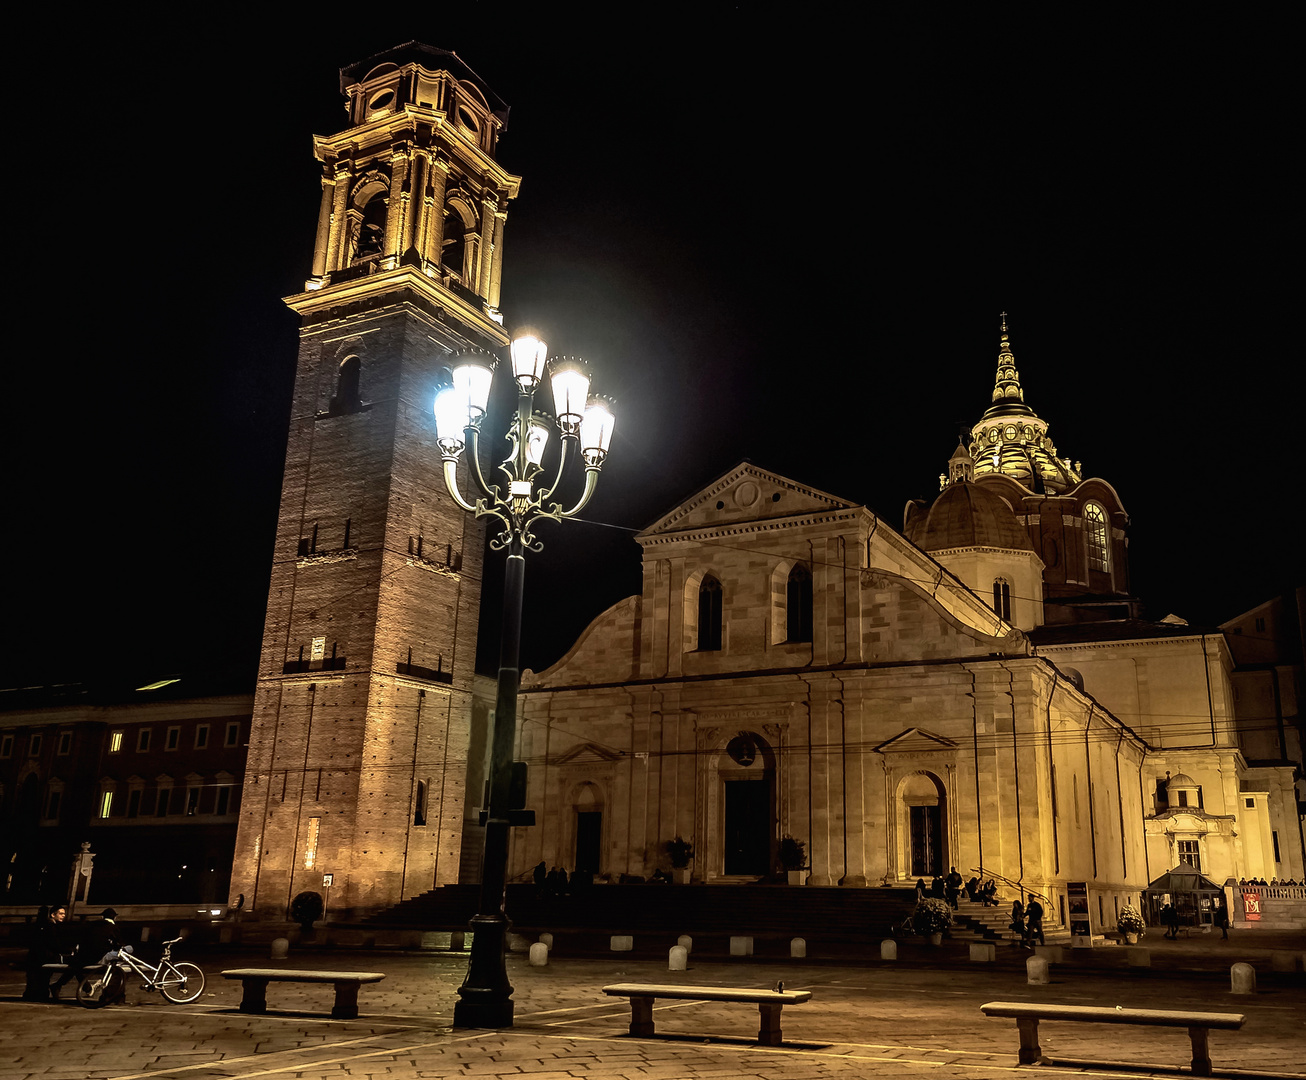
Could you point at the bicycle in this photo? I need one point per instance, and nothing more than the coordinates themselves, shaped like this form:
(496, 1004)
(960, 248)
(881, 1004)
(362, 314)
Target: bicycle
(180, 983)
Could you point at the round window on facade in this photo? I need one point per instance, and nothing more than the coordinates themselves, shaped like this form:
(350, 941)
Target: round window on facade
(381, 101)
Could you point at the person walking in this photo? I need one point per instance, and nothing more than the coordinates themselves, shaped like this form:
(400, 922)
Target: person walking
(1222, 919)
(1018, 920)
(1034, 922)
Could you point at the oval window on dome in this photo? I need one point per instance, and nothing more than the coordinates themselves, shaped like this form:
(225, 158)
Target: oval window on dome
(993, 435)
(381, 100)
(1010, 432)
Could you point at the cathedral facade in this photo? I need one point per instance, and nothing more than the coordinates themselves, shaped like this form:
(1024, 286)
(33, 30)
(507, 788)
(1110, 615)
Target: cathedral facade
(973, 689)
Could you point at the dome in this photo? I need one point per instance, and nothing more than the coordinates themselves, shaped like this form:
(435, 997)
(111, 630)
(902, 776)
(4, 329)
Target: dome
(1181, 780)
(967, 515)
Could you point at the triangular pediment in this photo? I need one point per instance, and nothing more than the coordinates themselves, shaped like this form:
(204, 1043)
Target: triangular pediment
(585, 752)
(916, 741)
(746, 494)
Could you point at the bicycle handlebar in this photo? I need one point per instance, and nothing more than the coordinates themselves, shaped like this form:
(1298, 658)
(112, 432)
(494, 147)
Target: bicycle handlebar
(172, 942)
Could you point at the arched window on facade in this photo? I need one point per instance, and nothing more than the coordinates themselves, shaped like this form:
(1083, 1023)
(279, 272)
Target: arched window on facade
(1097, 538)
(709, 615)
(346, 398)
(1002, 598)
(798, 604)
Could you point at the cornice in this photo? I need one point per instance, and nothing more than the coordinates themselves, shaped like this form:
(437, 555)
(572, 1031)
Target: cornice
(743, 528)
(370, 288)
(378, 136)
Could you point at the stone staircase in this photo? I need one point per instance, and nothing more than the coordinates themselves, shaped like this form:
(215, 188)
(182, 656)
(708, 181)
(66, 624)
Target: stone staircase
(817, 914)
(972, 921)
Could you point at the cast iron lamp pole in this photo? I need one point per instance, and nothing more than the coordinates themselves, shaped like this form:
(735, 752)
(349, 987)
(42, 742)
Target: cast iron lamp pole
(485, 997)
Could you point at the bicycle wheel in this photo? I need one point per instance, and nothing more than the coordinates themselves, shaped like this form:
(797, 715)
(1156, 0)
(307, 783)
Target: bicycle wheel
(182, 983)
(96, 991)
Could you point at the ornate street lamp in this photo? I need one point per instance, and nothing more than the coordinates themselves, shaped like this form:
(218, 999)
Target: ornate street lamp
(485, 997)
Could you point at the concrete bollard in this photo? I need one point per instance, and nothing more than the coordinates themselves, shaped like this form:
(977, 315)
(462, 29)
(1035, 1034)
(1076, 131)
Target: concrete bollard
(983, 952)
(1283, 961)
(798, 947)
(621, 943)
(280, 948)
(888, 949)
(1243, 979)
(686, 942)
(1138, 957)
(539, 954)
(741, 946)
(458, 940)
(546, 939)
(677, 958)
(1036, 971)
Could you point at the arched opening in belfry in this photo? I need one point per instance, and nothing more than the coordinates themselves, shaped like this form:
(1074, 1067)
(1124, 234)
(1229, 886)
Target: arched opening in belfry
(458, 255)
(371, 229)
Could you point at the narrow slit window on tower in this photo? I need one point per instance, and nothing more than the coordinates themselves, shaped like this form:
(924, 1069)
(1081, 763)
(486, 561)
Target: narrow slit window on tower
(709, 615)
(419, 804)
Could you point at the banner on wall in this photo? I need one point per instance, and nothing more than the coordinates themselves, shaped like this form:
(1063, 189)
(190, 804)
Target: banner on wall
(1081, 927)
(1251, 905)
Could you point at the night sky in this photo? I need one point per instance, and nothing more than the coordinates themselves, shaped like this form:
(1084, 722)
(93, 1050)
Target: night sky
(773, 239)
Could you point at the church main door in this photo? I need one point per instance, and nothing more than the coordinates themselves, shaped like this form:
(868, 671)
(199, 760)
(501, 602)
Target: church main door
(748, 827)
(926, 841)
(589, 831)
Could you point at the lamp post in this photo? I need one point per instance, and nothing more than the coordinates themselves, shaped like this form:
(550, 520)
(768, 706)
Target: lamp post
(485, 997)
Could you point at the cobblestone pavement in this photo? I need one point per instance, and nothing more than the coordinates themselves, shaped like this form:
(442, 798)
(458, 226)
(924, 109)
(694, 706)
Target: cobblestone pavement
(861, 1022)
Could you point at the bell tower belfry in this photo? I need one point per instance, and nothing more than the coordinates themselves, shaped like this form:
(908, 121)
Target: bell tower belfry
(358, 750)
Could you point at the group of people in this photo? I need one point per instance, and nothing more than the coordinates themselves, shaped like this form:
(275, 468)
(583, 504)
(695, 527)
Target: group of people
(1262, 881)
(1027, 921)
(555, 882)
(53, 943)
(948, 888)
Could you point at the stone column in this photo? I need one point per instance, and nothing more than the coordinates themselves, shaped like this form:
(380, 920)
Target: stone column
(323, 237)
(496, 269)
(394, 219)
(414, 203)
(489, 213)
(439, 174)
(339, 221)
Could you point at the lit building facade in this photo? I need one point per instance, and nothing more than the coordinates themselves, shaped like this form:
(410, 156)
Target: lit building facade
(974, 690)
(360, 739)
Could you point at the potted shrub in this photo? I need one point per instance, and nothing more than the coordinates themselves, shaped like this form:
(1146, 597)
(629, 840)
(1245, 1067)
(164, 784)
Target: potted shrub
(1130, 924)
(931, 917)
(680, 851)
(793, 859)
(305, 909)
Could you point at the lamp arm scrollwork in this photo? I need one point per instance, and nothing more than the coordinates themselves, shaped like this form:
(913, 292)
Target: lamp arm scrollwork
(451, 482)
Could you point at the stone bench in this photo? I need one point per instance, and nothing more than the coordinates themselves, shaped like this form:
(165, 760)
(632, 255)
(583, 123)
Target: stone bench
(255, 982)
(1027, 1015)
(768, 1002)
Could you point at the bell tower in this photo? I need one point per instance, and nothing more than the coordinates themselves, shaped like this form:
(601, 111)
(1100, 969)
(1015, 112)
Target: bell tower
(358, 751)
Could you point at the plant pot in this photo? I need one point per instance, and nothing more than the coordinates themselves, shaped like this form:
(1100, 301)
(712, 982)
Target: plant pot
(936, 938)
(680, 875)
(1131, 939)
(796, 877)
